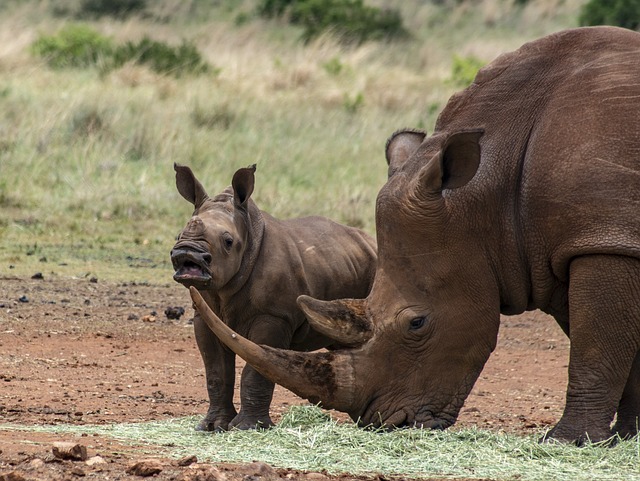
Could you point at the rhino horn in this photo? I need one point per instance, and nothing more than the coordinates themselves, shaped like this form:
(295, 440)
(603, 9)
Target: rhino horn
(320, 377)
(342, 320)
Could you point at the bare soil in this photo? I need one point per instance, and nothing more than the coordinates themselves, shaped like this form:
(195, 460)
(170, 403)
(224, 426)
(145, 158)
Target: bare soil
(83, 351)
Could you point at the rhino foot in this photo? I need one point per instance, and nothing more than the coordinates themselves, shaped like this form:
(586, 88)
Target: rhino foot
(212, 425)
(579, 437)
(244, 423)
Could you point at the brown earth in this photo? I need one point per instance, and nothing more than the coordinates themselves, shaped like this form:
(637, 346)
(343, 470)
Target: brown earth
(83, 351)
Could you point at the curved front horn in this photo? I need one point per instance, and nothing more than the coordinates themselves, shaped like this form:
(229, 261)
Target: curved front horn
(320, 377)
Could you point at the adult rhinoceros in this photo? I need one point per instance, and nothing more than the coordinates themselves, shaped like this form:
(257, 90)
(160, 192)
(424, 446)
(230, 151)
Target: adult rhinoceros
(527, 196)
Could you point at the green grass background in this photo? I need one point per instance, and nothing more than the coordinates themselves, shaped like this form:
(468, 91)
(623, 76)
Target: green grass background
(86, 178)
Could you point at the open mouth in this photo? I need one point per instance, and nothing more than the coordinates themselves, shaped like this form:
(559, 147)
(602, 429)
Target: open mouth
(191, 269)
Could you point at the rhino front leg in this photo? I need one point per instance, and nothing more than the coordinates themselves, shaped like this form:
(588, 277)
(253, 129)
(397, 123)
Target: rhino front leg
(629, 409)
(256, 392)
(604, 313)
(219, 366)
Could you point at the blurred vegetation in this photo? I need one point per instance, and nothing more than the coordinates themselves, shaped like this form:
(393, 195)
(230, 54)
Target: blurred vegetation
(464, 70)
(81, 46)
(87, 147)
(73, 46)
(621, 13)
(351, 20)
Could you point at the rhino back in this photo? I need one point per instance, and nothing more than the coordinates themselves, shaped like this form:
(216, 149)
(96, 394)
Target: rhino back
(313, 256)
(560, 153)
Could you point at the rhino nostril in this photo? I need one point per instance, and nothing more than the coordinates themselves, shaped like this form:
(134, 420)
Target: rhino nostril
(207, 258)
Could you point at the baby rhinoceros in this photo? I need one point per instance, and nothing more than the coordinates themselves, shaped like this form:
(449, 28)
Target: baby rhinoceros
(250, 268)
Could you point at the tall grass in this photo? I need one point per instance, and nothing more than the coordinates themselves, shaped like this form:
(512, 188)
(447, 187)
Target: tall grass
(307, 439)
(86, 157)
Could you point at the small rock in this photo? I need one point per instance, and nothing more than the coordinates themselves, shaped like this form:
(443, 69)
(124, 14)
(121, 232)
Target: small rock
(174, 312)
(95, 460)
(71, 451)
(93, 280)
(23, 299)
(187, 460)
(36, 463)
(202, 472)
(145, 467)
(132, 317)
(260, 470)
(148, 318)
(12, 476)
(76, 471)
(37, 275)
(315, 477)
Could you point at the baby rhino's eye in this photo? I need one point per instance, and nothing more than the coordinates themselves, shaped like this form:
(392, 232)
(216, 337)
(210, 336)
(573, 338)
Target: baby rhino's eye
(228, 240)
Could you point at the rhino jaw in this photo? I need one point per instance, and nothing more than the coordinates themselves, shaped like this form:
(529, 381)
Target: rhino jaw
(320, 377)
(191, 268)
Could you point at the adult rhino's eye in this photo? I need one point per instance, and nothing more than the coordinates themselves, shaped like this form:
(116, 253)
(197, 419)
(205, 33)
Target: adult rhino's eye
(417, 323)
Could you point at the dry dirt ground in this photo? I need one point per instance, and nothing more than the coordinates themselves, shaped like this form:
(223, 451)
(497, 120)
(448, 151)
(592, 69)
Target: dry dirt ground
(83, 351)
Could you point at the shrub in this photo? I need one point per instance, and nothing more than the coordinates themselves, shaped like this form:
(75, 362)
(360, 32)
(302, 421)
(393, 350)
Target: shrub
(622, 13)
(81, 46)
(161, 57)
(464, 70)
(351, 20)
(113, 8)
(73, 46)
(274, 8)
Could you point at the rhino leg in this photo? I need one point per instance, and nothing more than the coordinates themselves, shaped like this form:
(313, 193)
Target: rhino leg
(629, 409)
(604, 309)
(219, 365)
(256, 392)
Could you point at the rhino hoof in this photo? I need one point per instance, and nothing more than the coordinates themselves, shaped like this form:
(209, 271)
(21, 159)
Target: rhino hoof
(246, 424)
(209, 426)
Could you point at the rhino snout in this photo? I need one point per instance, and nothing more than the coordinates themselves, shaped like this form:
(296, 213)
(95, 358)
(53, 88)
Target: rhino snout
(191, 267)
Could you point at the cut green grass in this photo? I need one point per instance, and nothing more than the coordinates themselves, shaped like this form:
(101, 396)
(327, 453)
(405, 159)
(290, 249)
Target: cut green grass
(308, 439)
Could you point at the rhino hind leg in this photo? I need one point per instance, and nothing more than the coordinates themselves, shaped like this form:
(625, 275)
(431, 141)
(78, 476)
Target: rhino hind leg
(604, 316)
(628, 416)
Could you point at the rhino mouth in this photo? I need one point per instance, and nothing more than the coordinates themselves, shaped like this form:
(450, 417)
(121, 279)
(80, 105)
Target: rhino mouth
(191, 269)
(403, 418)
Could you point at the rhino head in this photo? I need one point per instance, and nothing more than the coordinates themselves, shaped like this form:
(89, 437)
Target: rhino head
(415, 346)
(209, 250)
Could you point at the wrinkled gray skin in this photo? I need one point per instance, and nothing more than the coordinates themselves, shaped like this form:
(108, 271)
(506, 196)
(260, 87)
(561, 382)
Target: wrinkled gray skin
(250, 268)
(527, 196)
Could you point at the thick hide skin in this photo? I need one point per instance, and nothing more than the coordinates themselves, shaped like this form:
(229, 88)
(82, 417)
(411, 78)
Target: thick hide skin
(526, 196)
(249, 268)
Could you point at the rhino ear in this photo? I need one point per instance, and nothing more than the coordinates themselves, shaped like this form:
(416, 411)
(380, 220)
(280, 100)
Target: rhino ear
(455, 165)
(400, 146)
(342, 320)
(188, 186)
(243, 183)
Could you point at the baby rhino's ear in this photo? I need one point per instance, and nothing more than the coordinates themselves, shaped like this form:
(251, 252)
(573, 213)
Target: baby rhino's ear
(242, 183)
(188, 186)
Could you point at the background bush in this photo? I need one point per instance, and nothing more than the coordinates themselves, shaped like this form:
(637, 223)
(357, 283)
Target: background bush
(73, 46)
(621, 13)
(464, 70)
(114, 8)
(81, 46)
(161, 57)
(351, 20)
